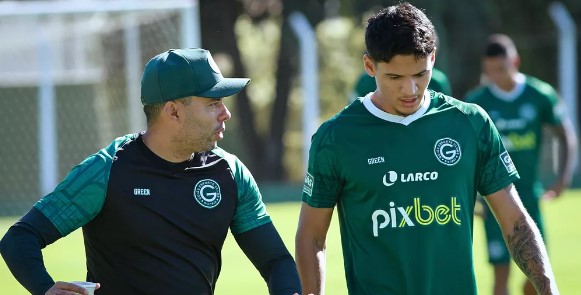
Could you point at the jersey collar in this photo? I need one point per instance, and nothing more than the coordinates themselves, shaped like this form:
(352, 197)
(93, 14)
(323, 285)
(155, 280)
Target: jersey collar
(395, 118)
(510, 96)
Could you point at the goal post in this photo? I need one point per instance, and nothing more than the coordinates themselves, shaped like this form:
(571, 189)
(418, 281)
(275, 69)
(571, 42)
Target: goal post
(72, 70)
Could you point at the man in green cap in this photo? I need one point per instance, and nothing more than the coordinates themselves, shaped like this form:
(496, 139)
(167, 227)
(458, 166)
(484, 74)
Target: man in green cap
(155, 207)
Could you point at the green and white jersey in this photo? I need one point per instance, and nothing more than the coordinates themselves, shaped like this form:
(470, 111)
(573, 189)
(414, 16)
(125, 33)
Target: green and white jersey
(405, 189)
(519, 116)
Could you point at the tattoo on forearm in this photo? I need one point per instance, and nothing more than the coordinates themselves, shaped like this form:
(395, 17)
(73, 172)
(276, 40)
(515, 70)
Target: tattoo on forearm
(526, 251)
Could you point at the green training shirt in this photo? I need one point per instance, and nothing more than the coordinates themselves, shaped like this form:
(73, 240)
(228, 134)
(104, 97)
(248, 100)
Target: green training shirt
(405, 188)
(519, 116)
(151, 226)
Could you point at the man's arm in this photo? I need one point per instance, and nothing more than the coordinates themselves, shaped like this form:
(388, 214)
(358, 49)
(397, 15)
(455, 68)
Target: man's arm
(266, 250)
(21, 250)
(523, 239)
(310, 243)
(567, 157)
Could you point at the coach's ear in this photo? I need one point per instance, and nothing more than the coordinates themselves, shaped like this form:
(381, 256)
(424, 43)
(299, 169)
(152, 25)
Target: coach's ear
(369, 65)
(171, 111)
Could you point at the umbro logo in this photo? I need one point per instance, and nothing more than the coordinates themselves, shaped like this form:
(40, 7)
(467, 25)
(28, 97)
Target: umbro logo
(141, 192)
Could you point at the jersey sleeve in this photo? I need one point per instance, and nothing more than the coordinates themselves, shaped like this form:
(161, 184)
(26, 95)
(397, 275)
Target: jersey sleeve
(495, 169)
(552, 108)
(251, 211)
(323, 182)
(80, 196)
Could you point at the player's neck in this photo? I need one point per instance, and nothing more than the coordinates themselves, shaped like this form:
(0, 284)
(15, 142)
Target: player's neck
(161, 144)
(509, 84)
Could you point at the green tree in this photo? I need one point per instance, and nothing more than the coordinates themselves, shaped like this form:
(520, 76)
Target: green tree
(462, 26)
(218, 17)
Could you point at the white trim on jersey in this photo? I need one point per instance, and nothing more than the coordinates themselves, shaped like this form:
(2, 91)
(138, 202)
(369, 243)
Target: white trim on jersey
(510, 96)
(395, 118)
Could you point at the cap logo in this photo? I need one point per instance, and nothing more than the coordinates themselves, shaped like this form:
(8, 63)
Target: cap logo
(207, 193)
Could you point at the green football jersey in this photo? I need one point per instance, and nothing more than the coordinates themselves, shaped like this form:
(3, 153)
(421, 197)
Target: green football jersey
(405, 189)
(519, 117)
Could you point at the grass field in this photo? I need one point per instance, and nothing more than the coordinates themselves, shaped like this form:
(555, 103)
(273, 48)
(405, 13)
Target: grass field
(65, 259)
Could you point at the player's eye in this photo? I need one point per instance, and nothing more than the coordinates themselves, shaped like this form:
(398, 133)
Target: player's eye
(214, 105)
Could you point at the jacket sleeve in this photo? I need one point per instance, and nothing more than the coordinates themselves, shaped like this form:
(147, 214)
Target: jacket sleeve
(266, 250)
(21, 249)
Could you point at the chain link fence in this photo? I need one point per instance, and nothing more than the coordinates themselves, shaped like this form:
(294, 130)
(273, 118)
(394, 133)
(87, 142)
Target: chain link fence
(80, 64)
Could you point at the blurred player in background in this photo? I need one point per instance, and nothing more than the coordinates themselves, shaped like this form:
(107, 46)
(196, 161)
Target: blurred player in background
(521, 106)
(155, 207)
(403, 166)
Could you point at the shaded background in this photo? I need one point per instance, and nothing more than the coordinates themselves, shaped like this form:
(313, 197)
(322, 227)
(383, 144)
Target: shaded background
(462, 27)
(250, 38)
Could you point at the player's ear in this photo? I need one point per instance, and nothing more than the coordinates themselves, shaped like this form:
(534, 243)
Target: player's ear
(369, 65)
(171, 111)
(516, 61)
(433, 58)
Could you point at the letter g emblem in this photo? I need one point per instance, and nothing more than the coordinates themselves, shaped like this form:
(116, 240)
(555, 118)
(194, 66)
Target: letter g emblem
(447, 151)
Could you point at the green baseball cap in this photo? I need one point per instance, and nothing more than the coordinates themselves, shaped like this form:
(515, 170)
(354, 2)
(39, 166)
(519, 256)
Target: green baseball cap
(179, 73)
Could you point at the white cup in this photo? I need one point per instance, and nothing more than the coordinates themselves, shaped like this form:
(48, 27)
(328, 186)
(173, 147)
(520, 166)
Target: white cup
(89, 286)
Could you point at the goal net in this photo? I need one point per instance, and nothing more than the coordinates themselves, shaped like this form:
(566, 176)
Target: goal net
(70, 82)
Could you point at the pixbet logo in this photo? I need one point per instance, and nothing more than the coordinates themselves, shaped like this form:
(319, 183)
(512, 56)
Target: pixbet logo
(417, 213)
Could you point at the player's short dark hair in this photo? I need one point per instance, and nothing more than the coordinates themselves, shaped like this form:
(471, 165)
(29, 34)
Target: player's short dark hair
(499, 45)
(402, 29)
(152, 110)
